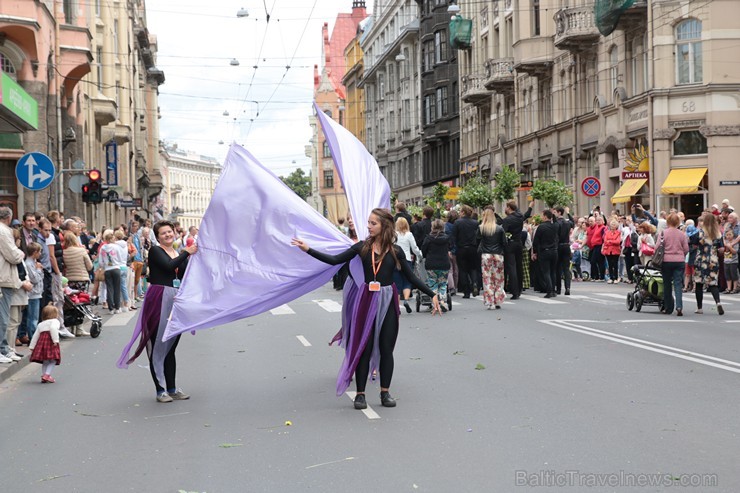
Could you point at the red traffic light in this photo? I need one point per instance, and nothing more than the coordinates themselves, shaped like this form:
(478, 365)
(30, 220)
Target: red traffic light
(94, 175)
(85, 188)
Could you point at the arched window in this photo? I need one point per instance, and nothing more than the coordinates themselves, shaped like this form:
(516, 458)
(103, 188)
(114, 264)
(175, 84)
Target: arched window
(7, 66)
(613, 68)
(688, 52)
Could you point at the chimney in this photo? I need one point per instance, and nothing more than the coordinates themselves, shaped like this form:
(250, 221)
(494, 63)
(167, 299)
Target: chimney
(358, 4)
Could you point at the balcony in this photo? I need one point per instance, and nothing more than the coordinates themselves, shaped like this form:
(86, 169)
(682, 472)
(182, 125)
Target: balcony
(534, 56)
(105, 110)
(473, 90)
(500, 75)
(175, 189)
(575, 29)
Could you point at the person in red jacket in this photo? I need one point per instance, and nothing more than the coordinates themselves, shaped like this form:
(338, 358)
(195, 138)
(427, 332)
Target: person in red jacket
(611, 249)
(595, 241)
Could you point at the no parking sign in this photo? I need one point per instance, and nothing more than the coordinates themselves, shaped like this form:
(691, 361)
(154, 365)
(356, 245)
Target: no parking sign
(591, 186)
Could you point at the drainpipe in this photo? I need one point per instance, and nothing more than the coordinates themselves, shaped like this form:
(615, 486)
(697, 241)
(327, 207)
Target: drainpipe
(58, 14)
(651, 103)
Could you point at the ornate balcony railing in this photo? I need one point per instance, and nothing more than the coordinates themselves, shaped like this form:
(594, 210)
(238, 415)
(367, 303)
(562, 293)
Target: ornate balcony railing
(500, 75)
(473, 90)
(575, 28)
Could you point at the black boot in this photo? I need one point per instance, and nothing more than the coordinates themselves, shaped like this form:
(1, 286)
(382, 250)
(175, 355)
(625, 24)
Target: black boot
(386, 399)
(360, 402)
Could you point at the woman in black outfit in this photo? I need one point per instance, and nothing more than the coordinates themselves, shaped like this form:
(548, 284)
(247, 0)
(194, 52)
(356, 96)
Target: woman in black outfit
(370, 309)
(166, 270)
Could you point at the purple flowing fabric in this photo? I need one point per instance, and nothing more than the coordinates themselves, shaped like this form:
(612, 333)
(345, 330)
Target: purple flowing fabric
(363, 312)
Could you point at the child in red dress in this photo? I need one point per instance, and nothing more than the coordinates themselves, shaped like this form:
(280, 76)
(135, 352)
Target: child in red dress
(45, 343)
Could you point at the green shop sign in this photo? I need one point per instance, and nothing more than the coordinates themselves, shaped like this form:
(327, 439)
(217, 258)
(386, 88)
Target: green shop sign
(18, 101)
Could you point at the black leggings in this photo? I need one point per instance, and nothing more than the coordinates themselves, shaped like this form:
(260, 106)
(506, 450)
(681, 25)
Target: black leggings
(699, 291)
(613, 261)
(170, 365)
(387, 341)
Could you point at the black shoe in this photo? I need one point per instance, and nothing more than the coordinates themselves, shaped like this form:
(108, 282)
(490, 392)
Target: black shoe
(550, 295)
(514, 298)
(386, 399)
(476, 292)
(360, 402)
(567, 292)
(466, 297)
(406, 305)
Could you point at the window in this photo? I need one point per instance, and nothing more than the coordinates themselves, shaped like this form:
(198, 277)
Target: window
(68, 11)
(613, 69)
(568, 170)
(326, 151)
(115, 38)
(97, 8)
(430, 111)
(592, 165)
(441, 102)
(688, 52)
(689, 142)
(6, 65)
(428, 55)
(381, 87)
(535, 17)
(545, 102)
(440, 46)
(328, 178)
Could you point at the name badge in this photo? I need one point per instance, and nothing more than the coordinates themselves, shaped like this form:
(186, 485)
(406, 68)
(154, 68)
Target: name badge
(374, 286)
(176, 283)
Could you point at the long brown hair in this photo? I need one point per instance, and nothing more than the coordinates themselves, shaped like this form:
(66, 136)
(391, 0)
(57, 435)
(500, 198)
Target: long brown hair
(387, 237)
(711, 227)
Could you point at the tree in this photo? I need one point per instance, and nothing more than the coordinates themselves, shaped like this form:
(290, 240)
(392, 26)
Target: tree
(438, 197)
(299, 182)
(476, 193)
(507, 181)
(552, 193)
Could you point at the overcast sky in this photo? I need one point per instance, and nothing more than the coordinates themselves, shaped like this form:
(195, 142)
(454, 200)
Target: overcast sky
(269, 106)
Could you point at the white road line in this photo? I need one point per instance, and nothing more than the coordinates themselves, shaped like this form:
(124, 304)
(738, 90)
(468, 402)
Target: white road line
(329, 305)
(120, 319)
(282, 310)
(303, 340)
(622, 297)
(369, 411)
(687, 297)
(592, 300)
(547, 301)
(702, 359)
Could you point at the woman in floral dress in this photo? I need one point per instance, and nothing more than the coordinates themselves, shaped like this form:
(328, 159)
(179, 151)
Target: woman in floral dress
(706, 272)
(492, 244)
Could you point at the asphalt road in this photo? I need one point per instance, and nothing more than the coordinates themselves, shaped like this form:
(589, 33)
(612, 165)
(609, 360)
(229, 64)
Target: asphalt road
(570, 394)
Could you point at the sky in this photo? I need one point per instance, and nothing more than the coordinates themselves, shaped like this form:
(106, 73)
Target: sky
(268, 107)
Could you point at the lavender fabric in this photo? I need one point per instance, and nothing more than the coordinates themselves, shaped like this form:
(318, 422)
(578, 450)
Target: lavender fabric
(245, 264)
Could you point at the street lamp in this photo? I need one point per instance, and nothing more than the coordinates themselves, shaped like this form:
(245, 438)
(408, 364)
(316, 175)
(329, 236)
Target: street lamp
(242, 13)
(453, 8)
(234, 62)
(226, 112)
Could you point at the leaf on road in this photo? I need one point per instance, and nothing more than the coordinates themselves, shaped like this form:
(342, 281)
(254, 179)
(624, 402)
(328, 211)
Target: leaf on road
(480, 367)
(458, 353)
(54, 477)
(230, 445)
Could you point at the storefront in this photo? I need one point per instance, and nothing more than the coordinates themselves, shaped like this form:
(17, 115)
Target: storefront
(685, 189)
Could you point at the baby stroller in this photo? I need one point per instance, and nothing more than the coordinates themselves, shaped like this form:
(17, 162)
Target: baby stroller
(648, 287)
(422, 299)
(78, 308)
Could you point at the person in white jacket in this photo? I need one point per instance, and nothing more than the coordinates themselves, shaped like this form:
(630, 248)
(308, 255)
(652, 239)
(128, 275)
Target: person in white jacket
(111, 259)
(10, 257)
(405, 239)
(45, 343)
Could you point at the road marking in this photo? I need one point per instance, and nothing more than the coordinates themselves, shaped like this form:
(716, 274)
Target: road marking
(687, 297)
(622, 297)
(592, 300)
(304, 341)
(700, 358)
(547, 301)
(329, 305)
(369, 411)
(282, 310)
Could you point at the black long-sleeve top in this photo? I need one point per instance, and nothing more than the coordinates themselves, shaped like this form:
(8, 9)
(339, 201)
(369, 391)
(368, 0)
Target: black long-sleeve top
(385, 272)
(566, 225)
(163, 269)
(546, 238)
(514, 223)
(465, 233)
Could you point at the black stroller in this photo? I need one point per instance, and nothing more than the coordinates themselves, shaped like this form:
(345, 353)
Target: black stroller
(421, 298)
(648, 287)
(77, 309)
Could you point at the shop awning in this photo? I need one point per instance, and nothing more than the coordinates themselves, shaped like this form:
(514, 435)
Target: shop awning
(628, 190)
(685, 180)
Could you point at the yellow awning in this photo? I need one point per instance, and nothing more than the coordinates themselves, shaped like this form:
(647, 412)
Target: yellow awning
(628, 190)
(686, 180)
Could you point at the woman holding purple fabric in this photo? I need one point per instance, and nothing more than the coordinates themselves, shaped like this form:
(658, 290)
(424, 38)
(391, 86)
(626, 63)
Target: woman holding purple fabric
(166, 270)
(370, 307)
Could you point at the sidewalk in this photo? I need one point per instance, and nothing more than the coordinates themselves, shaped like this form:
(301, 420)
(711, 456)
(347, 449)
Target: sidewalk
(7, 370)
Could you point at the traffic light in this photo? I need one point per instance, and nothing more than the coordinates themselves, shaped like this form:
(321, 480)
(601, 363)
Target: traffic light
(92, 191)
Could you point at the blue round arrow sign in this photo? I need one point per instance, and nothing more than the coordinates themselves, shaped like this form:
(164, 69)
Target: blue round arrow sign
(35, 171)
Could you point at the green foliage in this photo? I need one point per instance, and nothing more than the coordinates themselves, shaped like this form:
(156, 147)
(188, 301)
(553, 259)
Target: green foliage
(507, 181)
(299, 182)
(438, 193)
(476, 193)
(414, 210)
(552, 193)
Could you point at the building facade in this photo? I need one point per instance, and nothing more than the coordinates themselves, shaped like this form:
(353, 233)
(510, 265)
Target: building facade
(89, 68)
(439, 104)
(392, 85)
(191, 180)
(649, 111)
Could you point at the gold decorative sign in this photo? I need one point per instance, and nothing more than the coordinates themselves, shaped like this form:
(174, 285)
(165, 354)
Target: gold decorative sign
(637, 164)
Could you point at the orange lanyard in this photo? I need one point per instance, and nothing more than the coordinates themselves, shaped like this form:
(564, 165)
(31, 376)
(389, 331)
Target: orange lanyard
(376, 269)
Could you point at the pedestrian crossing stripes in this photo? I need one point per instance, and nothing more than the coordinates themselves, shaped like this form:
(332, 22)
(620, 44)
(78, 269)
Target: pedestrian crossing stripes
(329, 305)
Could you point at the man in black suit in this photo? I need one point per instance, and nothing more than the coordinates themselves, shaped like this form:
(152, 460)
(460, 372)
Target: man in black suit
(421, 229)
(465, 238)
(512, 225)
(565, 222)
(545, 245)
(401, 212)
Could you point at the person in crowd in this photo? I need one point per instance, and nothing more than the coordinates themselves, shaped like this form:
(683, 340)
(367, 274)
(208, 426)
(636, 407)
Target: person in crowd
(578, 245)
(706, 272)
(611, 249)
(526, 256)
(640, 215)
(29, 234)
(562, 272)
(436, 251)
(513, 225)
(406, 241)
(10, 257)
(111, 258)
(120, 240)
(595, 240)
(690, 230)
(371, 306)
(77, 268)
(646, 242)
(676, 247)
(45, 343)
(341, 226)
(731, 263)
(44, 233)
(545, 245)
(454, 277)
(629, 247)
(137, 262)
(464, 234)
(421, 229)
(402, 212)
(166, 270)
(492, 245)
(35, 272)
(56, 255)
(18, 302)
